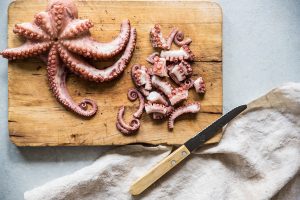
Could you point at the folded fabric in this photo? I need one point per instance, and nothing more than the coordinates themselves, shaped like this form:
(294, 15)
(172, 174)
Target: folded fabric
(257, 158)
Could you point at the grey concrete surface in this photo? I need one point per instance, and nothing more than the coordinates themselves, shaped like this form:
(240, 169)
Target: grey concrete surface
(261, 50)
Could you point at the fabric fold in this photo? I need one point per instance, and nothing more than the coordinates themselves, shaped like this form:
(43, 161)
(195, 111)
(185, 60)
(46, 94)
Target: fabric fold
(257, 158)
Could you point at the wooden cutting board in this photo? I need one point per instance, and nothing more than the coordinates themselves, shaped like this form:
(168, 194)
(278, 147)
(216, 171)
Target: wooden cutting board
(37, 119)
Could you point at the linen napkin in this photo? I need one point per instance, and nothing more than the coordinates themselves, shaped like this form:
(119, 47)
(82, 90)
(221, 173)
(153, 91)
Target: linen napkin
(257, 158)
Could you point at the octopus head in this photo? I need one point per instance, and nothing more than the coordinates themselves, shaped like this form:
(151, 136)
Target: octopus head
(69, 5)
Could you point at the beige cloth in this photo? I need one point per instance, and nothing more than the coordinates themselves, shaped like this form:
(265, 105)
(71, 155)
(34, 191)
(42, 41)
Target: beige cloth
(258, 158)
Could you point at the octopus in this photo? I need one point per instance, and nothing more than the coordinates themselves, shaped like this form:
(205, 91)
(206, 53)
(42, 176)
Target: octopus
(190, 108)
(158, 97)
(141, 78)
(178, 95)
(58, 37)
(126, 128)
(158, 41)
(158, 109)
(134, 125)
(184, 53)
(164, 86)
(133, 94)
(180, 72)
(159, 67)
(200, 85)
(179, 39)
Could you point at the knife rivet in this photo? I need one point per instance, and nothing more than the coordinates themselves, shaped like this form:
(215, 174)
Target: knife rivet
(173, 162)
(183, 153)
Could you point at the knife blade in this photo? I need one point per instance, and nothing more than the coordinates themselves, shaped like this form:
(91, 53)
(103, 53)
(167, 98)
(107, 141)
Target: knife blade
(183, 151)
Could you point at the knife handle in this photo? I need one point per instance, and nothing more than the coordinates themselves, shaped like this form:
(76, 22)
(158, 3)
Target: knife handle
(159, 170)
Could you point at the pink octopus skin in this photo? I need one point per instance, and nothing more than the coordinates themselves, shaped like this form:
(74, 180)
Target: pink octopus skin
(190, 108)
(184, 53)
(132, 95)
(59, 25)
(179, 39)
(89, 72)
(130, 128)
(180, 72)
(155, 97)
(188, 83)
(157, 108)
(158, 116)
(122, 130)
(90, 48)
(178, 95)
(163, 86)
(158, 41)
(199, 85)
(144, 91)
(159, 67)
(141, 77)
(56, 73)
(150, 58)
(175, 95)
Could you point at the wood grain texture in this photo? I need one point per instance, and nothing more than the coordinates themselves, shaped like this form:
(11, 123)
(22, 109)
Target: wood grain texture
(37, 119)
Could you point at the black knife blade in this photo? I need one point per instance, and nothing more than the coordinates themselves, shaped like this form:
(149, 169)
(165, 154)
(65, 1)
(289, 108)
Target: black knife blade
(182, 152)
(201, 137)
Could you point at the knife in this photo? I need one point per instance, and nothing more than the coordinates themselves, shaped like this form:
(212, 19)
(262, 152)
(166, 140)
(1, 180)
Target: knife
(183, 151)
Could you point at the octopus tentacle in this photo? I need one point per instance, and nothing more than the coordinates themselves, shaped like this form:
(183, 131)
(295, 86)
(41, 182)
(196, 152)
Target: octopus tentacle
(140, 76)
(133, 126)
(178, 94)
(179, 39)
(122, 129)
(144, 91)
(188, 84)
(28, 49)
(44, 21)
(190, 108)
(163, 86)
(184, 53)
(159, 67)
(157, 108)
(88, 47)
(30, 31)
(155, 97)
(158, 41)
(75, 28)
(199, 85)
(87, 71)
(171, 37)
(133, 94)
(57, 80)
(180, 72)
(150, 58)
(170, 109)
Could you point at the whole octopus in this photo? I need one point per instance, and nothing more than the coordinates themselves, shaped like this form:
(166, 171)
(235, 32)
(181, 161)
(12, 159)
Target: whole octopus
(64, 42)
(157, 97)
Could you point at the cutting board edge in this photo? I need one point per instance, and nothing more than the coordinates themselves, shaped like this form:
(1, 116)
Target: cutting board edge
(212, 141)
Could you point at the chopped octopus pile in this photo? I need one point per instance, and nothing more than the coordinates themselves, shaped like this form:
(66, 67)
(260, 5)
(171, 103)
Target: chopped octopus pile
(157, 97)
